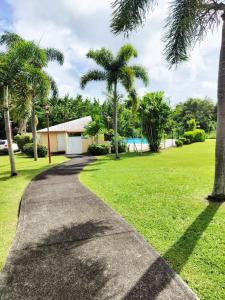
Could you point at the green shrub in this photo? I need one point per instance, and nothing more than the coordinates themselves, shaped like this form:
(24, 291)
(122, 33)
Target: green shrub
(122, 147)
(21, 140)
(179, 143)
(186, 142)
(28, 149)
(182, 139)
(189, 135)
(98, 149)
(199, 135)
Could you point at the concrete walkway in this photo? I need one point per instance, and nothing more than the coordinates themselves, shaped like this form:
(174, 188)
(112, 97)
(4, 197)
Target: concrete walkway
(70, 245)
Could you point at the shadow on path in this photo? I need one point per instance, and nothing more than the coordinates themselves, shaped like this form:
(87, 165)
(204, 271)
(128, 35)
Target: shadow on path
(59, 270)
(155, 278)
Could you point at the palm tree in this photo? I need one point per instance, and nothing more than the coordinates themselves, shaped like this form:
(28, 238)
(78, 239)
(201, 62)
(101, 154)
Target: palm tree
(13, 72)
(187, 23)
(115, 71)
(38, 86)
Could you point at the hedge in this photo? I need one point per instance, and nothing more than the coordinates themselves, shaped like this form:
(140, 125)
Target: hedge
(28, 149)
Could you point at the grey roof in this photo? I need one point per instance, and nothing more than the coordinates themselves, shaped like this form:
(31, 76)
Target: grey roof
(77, 125)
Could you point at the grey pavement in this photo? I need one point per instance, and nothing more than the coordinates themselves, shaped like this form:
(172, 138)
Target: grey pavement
(70, 245)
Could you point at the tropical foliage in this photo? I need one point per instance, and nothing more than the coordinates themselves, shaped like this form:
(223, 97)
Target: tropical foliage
(38, 82)
(202, 111)
(155, 113)
(188, 22)
(94, 128)
(115, 71)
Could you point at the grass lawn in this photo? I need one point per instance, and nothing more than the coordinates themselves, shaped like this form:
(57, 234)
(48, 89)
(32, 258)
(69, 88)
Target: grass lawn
(11, 190)
(163, 197)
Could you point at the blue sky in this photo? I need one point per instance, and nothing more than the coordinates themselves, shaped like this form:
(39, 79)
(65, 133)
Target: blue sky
(75, 26)
(5, 15)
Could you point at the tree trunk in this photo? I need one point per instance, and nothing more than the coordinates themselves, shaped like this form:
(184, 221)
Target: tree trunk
(22, 126)
(34, 130)
(218, 193)
(115, 120)
(8, 132)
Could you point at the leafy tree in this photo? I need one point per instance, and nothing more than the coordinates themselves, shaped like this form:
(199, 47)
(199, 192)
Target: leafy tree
(94, 128)
(115, 70)
(187, 23)
(68, 108)
(38, 82)
(14, 70)
(155, 113)
(192, 124)
(202, 110)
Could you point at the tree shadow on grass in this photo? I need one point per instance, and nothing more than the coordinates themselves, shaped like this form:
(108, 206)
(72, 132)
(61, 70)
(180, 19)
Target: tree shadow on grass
(159, 275)
(61, 169)
(59, 267)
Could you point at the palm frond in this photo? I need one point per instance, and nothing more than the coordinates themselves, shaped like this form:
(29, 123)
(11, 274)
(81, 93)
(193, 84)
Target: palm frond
(134, 99)
(29, 52)
(53, 85)
(54, 55)
(141, 73)
(10, 39)
(187, 23)
(129, 14)
(126, 77)
(37, 79)
(125, 53)
(21, 107)
(102, 57)
(93, 75)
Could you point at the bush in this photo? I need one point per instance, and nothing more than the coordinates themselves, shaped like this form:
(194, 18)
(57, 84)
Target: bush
(186, 142)
(122, 147)
(197, 135)
(22, 140)
(179, 143)
(28, 149)
(189, 135)
(98, 149)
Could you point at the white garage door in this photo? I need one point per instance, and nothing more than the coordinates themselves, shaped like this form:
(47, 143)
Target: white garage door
(74, 145)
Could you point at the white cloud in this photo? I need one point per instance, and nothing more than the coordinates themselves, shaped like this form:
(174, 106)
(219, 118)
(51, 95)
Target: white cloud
(74, 26)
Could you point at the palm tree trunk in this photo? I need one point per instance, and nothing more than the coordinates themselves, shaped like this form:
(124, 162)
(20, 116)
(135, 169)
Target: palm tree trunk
(115, 120)
(9, 132)
(34, 131)
(22, 126)
(218, 193)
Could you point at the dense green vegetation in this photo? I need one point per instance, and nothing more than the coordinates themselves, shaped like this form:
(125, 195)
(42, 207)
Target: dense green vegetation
(24, 82)
(155, 113)
(187, 23)
(201, 110)
(115, 70)
(163, 197)
(11, 190)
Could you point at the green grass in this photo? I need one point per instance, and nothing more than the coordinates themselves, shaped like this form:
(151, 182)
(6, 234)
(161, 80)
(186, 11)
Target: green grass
(11, 190)
(163, 197)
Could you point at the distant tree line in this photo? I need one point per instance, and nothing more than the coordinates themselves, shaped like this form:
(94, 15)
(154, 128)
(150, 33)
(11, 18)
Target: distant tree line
(67, 108)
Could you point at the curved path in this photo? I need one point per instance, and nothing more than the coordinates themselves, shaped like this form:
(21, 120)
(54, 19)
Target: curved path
(70, 245)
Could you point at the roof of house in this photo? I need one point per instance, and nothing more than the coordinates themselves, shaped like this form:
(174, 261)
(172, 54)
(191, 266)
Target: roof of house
(77, 125)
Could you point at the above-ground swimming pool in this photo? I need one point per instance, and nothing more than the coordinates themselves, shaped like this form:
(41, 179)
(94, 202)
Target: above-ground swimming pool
(131, 141)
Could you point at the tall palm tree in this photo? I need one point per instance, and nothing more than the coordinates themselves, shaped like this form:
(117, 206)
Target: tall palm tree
(187, 22)
(39, 59)
(115, 71)
(14, 70)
